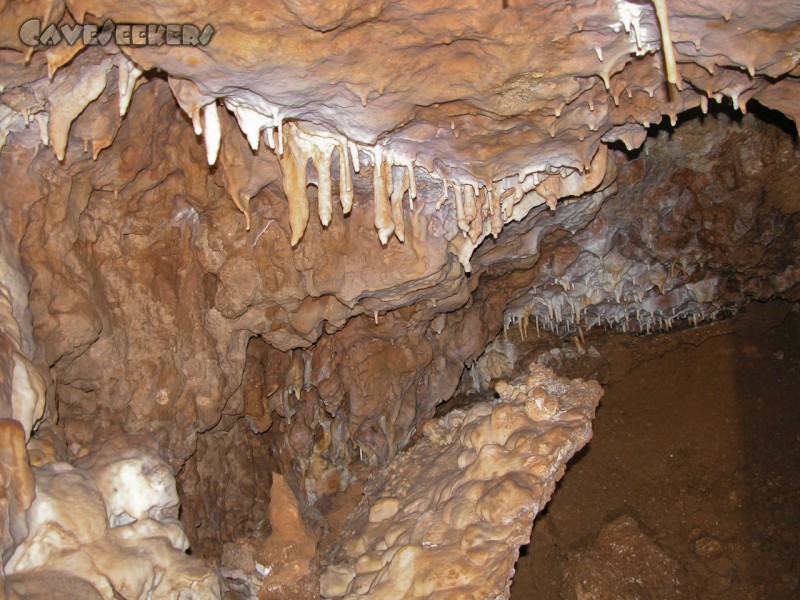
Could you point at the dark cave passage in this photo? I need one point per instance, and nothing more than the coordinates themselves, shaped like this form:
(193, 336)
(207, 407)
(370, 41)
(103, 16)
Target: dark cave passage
(697, 439)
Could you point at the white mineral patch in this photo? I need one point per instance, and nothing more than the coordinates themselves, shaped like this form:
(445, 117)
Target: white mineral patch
(464, 496)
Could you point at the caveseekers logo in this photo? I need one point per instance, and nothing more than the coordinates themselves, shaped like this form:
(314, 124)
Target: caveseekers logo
(123, 34)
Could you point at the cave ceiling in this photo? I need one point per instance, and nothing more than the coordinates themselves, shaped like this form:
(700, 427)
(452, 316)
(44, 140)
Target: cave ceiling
(494, 101)
(271, 237)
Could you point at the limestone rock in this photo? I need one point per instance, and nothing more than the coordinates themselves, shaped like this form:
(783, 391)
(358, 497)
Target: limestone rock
(17, 491)
(109, 520)
(281, 566)
(624, 561)
(448, 516)
(278, 251)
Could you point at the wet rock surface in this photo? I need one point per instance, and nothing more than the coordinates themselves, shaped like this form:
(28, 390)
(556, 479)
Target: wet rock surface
(448, 515)
(103, 526)
(273, 255)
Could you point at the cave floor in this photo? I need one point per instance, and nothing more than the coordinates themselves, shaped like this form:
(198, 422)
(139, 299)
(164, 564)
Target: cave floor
(698, 439)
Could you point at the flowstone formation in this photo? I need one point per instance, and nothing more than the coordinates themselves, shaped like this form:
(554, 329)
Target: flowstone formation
(271, 239)
(447, 518)
(103, 527)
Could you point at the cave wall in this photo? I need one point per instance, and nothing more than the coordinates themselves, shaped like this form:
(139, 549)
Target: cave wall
(160, 214)
(359, 390)
(705, 220)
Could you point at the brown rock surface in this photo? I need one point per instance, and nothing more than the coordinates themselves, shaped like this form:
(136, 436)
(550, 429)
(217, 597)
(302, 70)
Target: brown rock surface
(17, 491)
(624, 562)
(178, 260)
(717, 219)
(284, 565)
(447, 517)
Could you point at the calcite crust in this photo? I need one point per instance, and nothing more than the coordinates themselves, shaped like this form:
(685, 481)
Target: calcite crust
(447, 517)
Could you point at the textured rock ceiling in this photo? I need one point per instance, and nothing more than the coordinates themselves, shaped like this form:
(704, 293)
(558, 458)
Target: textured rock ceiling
(278, 252)
(494, 100)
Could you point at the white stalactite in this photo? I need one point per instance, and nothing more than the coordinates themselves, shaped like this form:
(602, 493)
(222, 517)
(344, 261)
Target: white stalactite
(212, 134)
(381, 178)
(127, 74)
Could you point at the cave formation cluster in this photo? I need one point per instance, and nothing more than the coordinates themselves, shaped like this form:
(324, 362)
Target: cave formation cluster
(237, 274)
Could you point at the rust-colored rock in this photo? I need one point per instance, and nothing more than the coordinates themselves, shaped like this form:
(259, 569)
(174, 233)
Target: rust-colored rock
(17, 491)
(274, 252)
(283, 565)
